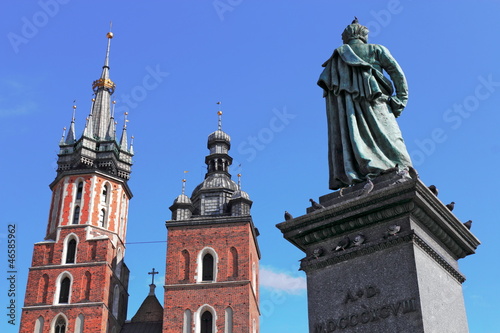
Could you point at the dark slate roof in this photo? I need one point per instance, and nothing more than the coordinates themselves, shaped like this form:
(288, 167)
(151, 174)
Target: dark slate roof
(149, 317)
(142, 327)
(149, 311)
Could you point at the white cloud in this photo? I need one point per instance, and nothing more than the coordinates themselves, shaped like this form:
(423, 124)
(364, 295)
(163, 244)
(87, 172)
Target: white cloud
(281, 281)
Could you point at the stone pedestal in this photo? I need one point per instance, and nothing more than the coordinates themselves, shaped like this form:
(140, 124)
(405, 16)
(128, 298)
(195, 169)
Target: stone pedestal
(405, 281)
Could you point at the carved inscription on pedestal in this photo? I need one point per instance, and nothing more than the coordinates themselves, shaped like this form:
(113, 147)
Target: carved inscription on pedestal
(364, 314)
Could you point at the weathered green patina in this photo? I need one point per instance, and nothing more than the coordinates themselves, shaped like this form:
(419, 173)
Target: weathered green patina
(364, 138)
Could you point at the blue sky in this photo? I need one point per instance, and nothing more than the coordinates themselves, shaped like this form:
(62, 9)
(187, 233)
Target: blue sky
(173, 60)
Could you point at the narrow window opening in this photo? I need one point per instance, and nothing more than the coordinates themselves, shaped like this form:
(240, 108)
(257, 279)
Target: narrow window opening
(93, 250)
(187, 322)
(254, 278)
(76, 215)
(102, 218)
(229, 321)
(208, 267)
(71, 251)
(79, 191)
(105, 191)
(43, 288)
(116, 297)
(86, 283)
(80, 320)
(39, 325)
(234, 262)
(119, 262)
(64, 291)
(206, 322)
(185, 265)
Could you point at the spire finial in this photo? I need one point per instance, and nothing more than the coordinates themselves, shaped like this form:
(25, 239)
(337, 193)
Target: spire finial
(92, 105)
(152, 285)
(153, 273)
(184, 183)
(110, 36)
(125, 121)
(239, 181)
(183, 186)
(63, 134)
(113, 110)
(219, 113)
(131, 150)
(74, 111)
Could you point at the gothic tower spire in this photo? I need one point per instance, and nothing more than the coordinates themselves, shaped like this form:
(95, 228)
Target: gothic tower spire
(103, 89)
(78, 281)
(94, 149)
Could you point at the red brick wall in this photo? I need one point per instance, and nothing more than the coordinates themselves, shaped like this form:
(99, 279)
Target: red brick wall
(93, 272)
(95, 318)
(228, 290)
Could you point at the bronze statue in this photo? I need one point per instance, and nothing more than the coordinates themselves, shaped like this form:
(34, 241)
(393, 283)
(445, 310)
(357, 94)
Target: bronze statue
(364, 138)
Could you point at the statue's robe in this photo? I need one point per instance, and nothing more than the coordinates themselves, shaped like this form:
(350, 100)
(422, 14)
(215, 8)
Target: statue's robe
(364, 138)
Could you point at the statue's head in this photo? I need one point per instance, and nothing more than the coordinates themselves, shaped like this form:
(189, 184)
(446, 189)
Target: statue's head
(355, 31)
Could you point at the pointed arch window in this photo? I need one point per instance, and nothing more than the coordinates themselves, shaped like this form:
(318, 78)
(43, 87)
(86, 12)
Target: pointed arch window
(80, 320)
(76, 215)
(208, 267)
(64, 290)
(116, 298)
(39, 325)
(79, 191)
(206, 263)
(206, 322)
(43, 288)
(254, 278)
(119, 262)
(105, 193)
(186, 327)
(71, 251)
(184, 273)
(86, 283)
(93, 250)
(60, 325)
(233, 271)
(102, 218)
(228, 327)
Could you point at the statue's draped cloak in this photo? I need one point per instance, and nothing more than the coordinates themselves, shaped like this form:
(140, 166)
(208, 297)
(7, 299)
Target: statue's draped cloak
(363, 136)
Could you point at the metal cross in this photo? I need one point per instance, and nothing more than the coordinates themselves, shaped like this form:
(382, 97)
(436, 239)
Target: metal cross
(153, 276)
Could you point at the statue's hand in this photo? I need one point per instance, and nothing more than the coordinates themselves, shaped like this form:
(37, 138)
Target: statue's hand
(397, 106)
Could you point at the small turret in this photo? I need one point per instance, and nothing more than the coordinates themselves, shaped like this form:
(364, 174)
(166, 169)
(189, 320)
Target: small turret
(182, 208)
(240, 202)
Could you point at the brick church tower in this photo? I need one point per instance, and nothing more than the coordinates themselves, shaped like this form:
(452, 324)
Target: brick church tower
(78, 281)
(211, 282)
